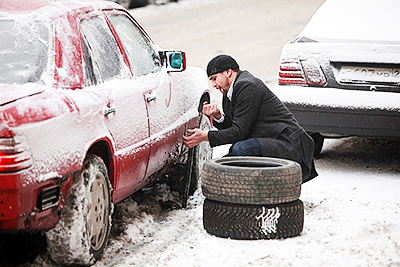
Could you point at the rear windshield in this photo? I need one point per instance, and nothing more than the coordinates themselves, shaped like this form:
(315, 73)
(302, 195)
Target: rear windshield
(24, 50)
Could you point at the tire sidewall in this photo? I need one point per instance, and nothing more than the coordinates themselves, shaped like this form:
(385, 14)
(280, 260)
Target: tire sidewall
(227, 164)
(99, 167)
(202, 153)
(252, 222)
(69, 242)
(268, 181)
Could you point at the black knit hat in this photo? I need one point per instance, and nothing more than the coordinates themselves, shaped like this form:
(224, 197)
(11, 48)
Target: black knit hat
(221, 63)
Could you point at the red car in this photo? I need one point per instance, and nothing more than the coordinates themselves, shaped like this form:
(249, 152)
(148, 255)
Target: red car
(90, 110)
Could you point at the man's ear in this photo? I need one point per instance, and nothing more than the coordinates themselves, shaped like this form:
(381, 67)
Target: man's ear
(229, 73)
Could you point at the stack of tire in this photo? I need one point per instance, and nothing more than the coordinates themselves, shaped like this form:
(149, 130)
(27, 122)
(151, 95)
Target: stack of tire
(252, 198)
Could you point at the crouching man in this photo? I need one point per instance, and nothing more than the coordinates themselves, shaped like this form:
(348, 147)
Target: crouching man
(255, 121)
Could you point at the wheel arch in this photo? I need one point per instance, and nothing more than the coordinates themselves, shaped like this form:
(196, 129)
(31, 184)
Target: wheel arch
(103, 149)
(204, 97)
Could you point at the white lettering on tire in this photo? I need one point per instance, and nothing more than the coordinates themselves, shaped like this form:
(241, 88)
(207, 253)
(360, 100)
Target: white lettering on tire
(269, 220)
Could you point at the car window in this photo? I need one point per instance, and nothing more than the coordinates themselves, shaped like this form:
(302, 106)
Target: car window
(142, 56)
(24, 50)
(91, 69)
(101, 51)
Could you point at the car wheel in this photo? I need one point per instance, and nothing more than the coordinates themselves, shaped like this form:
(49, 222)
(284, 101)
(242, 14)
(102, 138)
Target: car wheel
(252, 222)
(81, 234)
(202, 153)
(318, 143)
(251, 180)
(141, 3)
(127, 4)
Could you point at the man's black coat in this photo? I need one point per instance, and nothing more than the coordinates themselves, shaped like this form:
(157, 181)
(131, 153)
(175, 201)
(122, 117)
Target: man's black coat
(256, 113)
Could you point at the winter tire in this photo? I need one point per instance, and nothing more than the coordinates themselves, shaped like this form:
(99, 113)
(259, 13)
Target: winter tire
(81, 234)
(202, 153)
(251, 180)
(252, 222)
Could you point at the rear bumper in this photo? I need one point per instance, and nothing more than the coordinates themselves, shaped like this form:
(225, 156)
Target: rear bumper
(341, 121)
(343, 112)
(22, 208)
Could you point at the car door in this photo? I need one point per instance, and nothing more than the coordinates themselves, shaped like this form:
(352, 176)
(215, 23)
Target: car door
(124, 108)
(165, 134)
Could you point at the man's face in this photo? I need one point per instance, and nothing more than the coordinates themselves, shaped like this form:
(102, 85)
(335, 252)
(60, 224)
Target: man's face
(221, 81)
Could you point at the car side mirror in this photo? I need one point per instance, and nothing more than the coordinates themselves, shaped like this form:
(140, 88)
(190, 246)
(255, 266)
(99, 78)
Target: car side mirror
(174, 61)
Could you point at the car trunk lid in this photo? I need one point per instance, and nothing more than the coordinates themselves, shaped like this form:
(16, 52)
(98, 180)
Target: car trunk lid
(11, 93)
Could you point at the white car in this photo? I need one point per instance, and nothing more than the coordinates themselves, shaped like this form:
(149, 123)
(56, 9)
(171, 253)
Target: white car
(341, 75)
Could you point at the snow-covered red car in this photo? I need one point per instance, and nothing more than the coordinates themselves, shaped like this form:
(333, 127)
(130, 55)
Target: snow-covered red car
(90, 110)
(341, 75)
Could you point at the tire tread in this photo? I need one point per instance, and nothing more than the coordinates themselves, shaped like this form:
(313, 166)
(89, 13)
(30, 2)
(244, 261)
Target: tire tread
(238, 221)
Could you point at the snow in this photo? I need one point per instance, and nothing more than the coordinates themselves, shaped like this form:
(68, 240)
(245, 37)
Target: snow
(351, 219)
(351, 216)
(355, 20)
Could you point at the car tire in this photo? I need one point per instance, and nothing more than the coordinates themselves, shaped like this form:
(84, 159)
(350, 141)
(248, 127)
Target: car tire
(251, 180)
(81, 234)
(251, 222)
(318, 143)
(202, 153)
(127, 4)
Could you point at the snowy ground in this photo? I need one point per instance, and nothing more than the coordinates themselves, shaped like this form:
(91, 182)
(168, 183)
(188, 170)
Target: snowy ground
(351, 219)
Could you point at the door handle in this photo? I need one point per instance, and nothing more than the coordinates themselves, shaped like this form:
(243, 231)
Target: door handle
(150, 98)
(108, 111)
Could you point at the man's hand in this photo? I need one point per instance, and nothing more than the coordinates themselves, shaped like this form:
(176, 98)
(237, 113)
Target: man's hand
(211, 110)
(196, 137)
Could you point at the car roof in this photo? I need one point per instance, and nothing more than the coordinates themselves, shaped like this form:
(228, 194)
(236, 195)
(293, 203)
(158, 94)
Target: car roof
(64, 14)
(367, 20)
(54, 7)
(12, 6)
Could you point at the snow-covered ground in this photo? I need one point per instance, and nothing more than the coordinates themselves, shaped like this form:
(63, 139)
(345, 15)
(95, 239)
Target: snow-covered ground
(351, 219)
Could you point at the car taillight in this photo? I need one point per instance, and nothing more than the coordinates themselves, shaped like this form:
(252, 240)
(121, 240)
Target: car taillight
(15, 154)
(313, 71)
(305, 72)
(291, 72)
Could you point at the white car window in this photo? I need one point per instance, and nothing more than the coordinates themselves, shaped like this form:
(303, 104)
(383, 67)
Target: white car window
(104, 51)
(141, 55)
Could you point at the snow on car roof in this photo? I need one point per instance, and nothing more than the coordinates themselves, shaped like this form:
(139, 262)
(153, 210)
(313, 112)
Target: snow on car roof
(363, 20)
(13, 6)
(30, 6)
